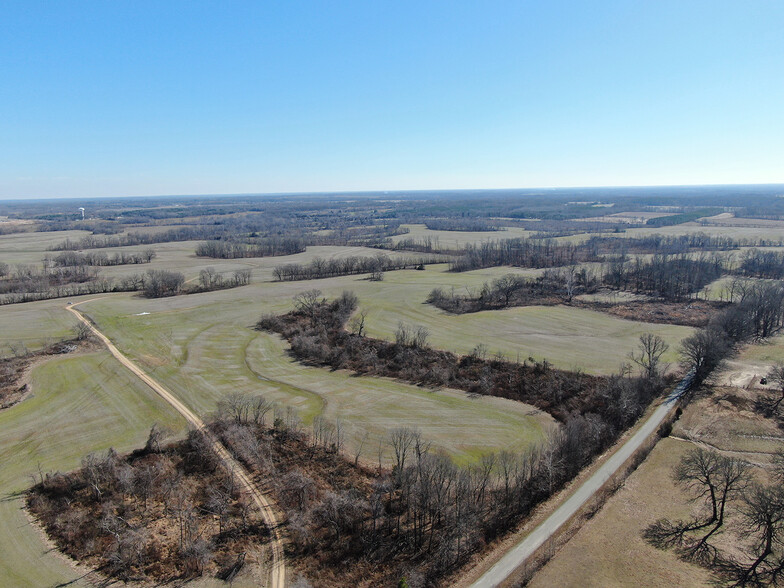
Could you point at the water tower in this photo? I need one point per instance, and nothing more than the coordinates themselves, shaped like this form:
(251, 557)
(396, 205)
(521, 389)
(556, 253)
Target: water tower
(81, 209)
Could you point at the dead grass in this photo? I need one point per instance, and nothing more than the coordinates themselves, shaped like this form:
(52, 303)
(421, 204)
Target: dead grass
(610, 551)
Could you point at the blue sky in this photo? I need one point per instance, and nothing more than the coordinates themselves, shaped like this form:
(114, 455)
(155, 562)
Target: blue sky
(118, 98)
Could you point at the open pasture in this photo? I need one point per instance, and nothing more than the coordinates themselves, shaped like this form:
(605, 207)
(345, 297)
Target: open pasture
(201, 357)
(774, 234)
(453, 240)
(727, 219)
(570, 338)
(609, 549)
(34, 324)
(30, 248)
(735, 232)
(79, 404)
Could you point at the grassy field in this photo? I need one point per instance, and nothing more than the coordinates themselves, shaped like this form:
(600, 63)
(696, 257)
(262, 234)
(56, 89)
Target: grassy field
(568, 337)
(202, 354)
(79, 404)
(610, 551)
(31, 247)
(459, 239)
(34, 324)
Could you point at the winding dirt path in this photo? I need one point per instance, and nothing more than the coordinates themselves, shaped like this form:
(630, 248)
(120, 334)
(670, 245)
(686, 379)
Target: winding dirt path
(278, 572)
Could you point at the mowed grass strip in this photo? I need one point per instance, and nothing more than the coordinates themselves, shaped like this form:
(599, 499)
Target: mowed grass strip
(79, 404)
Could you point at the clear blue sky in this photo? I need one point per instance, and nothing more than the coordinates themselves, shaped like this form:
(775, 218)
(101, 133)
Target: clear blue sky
(117, 98)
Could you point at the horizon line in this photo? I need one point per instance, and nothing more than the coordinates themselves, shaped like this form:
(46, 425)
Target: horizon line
(389, 191)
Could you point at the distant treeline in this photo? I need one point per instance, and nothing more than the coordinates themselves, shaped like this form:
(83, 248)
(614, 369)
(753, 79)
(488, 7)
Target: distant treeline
(666, 277)
(28, 284)
(539, 253)
(685, 217)
(460, 224)
(671, 244)
(328, 268)
(190, 233)
(762, 264)
(268, 247)
(554, 286)
(72, 259)
(595, 245)
(523, 253)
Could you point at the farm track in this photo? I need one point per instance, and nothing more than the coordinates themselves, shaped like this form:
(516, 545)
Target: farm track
(278, 572)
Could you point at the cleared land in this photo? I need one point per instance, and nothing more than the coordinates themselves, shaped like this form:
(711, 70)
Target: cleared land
(34, 324)
(31, 247)
(201, 355)
(727, 219)
(568, 337)
(78, 404)
(458, 239)
(609, 550)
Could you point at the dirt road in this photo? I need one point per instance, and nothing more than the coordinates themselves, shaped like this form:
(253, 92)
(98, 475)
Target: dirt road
(278, 572)
(516, 556)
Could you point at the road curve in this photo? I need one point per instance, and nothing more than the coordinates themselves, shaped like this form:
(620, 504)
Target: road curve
(516, 556)
(278, 572)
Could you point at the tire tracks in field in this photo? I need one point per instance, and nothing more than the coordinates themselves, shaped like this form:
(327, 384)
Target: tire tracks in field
(278, 572)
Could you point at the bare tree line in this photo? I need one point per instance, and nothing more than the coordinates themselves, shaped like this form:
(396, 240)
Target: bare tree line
(343, 266)
(112, 511)
(72, 258)
(267, 247)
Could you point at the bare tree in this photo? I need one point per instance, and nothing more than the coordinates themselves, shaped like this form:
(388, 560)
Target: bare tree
(357, 323)
(713, 478)
(762, 520)
(650, 350)
(306, 302)
(156, 436)
(82, 332)
(401, 440)
(703, 352)
(260, 406)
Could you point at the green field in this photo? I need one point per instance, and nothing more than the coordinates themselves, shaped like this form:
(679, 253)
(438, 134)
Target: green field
(34, 324)
(202, 355)
(459, 239)
(79, 404)
(568, 337)
(203, 346)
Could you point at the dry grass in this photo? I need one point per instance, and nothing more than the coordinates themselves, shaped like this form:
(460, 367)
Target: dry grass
(453, 240)
(610, 551)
